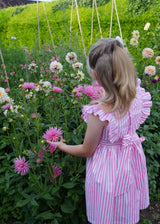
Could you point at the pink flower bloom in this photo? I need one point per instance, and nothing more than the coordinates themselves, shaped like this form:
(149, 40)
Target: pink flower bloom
(78, 89)
(52, 134)
(6, 80)
(33, 115)
(38, 161)
(12, 73)
(89, 91)
(28, 85)
(52, 148)
(7, 90)
(42, 69)
(23, 66)
(58, 79)
(57, 89)
(56, 171)
(21, 167)
(7, 106)
(53, 59)
(79, 95)
(54, 76)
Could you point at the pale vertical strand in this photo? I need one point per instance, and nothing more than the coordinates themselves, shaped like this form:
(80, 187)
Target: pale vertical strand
(80, 28)
(92, 21)
(70, 30)
(38, 25)
(4, 68)
(110, 33)
(98, 19)
(48, 25)
(118, 19)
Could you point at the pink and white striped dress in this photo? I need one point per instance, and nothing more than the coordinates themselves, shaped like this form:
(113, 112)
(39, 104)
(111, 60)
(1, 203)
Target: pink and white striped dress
(116, 176)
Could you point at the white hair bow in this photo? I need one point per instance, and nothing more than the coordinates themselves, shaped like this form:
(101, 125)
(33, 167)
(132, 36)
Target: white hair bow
(120, 40)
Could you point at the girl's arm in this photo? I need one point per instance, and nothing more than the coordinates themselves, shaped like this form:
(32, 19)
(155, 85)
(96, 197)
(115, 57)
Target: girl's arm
(94, 130)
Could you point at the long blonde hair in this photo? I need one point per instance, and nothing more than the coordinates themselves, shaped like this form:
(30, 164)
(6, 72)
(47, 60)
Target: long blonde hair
(115, 72)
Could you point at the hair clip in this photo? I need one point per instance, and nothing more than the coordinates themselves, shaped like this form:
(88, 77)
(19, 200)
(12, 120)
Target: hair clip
(120, 40)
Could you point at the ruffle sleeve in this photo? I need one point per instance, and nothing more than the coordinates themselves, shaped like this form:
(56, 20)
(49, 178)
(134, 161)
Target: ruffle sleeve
(141, 106)
(103, 116)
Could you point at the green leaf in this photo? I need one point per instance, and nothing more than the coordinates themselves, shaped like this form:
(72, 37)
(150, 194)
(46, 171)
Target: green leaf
(47, 196)
(34, 203)
(22, 203)
(69, 185)
(45, 215)
(67, 206)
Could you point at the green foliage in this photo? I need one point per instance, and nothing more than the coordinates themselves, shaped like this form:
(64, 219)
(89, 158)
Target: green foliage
(63, 5)
(19, 10)
(141, 6)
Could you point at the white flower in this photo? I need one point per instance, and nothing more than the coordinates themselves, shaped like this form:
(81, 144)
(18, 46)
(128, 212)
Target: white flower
(29, 95)
(71, 57)
(77, 66)
(16, 108)
(146, 27)
(150, 70)
(32, 66)
(46, 84)
(147, 53)
(5, 112)
(56, 66)
(80, 75)
(133, 42)
(136, 34)
(158, 60)
(3, 95)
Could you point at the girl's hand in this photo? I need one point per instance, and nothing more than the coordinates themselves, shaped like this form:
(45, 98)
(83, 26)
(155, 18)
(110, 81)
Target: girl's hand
(60, 144)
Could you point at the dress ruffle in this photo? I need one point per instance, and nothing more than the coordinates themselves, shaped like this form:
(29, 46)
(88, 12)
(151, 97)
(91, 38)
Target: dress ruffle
(139, 111)
(140, 107)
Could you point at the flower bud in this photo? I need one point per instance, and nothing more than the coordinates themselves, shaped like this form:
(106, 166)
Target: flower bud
(4, 128)
(38, 161)
(22, 116)
(10, 120)
(21, 80)
(42, 141)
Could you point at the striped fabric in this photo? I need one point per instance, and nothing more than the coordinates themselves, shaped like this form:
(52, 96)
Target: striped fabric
(116, 176)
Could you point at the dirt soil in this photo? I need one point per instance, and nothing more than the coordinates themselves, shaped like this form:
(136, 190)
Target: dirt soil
(152, 213)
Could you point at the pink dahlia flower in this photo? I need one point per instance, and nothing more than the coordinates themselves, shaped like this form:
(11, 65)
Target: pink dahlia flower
(89, 91)
(52, 148)
(52, 134)
(21, 167)
(56, 171)
(78, 95)
(28, 85)
(7, 106)
(57, 89)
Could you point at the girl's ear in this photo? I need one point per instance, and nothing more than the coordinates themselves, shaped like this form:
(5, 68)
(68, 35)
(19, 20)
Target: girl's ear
(94, 74)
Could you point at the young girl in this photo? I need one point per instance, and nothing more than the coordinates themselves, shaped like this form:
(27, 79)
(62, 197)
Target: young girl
(116, 184)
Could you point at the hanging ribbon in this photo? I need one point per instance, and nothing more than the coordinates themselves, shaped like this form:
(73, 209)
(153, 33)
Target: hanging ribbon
(80, 28)
(98, 18)
(38, 25)
(4, 68)
(49, 26)
(70, 30)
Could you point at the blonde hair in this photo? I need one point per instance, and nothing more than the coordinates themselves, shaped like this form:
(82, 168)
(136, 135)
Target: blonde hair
(115, 72)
